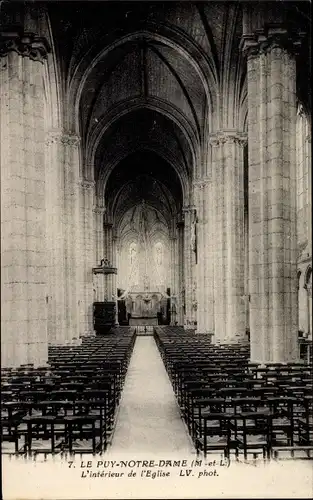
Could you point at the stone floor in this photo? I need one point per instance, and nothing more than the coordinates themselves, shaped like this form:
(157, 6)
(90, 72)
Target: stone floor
(149, 418)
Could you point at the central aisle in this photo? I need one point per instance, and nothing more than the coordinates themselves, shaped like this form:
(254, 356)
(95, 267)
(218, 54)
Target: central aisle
(149, 418)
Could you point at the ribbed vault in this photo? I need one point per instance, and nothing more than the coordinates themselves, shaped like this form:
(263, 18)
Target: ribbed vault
(143, 176)
(143, 130)
(154, 76)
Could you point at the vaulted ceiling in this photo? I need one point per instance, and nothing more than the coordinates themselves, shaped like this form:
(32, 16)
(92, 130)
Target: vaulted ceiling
(143, 82)
(144, 176)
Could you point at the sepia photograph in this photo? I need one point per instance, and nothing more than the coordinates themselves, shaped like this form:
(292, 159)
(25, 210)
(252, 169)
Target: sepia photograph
(156, 249)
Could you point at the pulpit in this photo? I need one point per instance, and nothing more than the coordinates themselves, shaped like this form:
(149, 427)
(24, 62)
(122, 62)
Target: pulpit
(104, 312)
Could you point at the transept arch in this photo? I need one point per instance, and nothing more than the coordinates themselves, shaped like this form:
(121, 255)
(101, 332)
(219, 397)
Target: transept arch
(182, 46)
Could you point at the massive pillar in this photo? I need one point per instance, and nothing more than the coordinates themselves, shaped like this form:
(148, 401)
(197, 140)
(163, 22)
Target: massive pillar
(23, 188)
(272, 194)
(228, 249)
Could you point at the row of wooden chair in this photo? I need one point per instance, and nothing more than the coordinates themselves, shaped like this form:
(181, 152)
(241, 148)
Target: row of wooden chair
(235, 406)
(70, 405)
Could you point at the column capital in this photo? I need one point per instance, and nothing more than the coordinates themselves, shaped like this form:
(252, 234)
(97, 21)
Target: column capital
(26, 44)
(189, 209)
(98, 210)
(87, 184)
(263, 40)
(228, 136)
(70, 139)
(201, 183)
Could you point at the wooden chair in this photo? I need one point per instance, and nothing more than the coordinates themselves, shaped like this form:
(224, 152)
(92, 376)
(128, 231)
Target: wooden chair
(216, 435)
(252, 432)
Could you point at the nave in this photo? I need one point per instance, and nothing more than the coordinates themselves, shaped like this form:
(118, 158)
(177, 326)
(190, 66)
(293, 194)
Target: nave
(112, 393)
(149, 418)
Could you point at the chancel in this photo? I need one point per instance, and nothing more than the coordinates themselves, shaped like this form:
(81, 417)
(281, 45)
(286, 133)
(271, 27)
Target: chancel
(156, 227)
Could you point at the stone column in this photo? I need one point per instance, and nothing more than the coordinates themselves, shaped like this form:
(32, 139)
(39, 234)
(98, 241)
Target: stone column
(309, 307)
(172, 263)
(99, 252)
(181, 279)
(208, 256)
(23, 187)
(176, 271)
(246, 268)
(205, 245)
(114, 276)
(308, 161)
(201, 252)
(228, 248)
(272, 195)
(86, 256)
(108, 254)
(55, 237)
(174, 267)
(189, 262)
(71, 143)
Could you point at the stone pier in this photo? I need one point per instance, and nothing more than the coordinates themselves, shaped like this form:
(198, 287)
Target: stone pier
(272, 194)
(228, 224)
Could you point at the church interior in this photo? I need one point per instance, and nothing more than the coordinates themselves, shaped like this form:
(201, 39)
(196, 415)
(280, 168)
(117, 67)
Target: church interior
(156, 273)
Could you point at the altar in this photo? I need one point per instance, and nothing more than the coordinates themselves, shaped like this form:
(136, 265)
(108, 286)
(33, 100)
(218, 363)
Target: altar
(144, 304)
(143, 322)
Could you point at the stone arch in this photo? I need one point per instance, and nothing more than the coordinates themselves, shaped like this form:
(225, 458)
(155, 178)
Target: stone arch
(124, 109)
(164, 34)
(100, 187)
(52, 86)
(127, 106)
(111, 207)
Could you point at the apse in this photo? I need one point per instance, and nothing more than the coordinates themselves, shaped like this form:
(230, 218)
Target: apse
(143, 197)
(144, 260)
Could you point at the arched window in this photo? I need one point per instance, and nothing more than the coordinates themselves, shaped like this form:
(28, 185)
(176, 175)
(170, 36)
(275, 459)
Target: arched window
(133, 264)
(132, 254)
(159, 253)
(159, 262)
